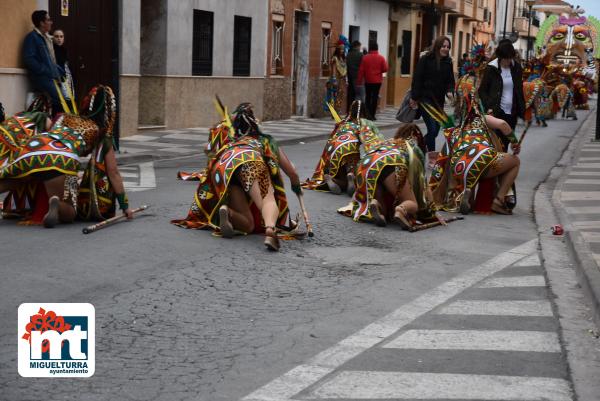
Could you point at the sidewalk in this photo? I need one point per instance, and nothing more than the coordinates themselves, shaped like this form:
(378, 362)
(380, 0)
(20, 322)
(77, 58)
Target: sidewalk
(575, 198)
(156, 145)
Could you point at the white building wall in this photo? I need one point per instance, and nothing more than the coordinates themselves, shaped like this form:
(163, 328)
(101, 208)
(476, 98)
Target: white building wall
(180, 30)
(369, 15)
(129, 50)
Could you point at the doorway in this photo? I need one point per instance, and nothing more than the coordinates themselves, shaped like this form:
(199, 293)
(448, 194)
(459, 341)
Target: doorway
(92, 40)
(301, 58)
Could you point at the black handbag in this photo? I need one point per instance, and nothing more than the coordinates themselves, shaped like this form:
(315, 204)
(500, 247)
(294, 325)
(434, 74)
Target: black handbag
(407, 114)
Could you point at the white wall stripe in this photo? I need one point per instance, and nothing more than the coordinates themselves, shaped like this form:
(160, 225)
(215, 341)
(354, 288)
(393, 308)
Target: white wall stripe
(516, 281)
(328, 360)
(479, 340)
(402, 386)
(498, 308)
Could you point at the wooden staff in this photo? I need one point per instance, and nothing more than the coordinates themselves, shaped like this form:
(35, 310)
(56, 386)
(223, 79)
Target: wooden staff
(305, 214)
(433, 224)
(111, 221)
(525, 132)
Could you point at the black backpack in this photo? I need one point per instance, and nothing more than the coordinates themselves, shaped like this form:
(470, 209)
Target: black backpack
(2, 115)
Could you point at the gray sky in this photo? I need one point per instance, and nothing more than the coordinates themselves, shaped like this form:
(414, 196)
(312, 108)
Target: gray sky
(592, 7)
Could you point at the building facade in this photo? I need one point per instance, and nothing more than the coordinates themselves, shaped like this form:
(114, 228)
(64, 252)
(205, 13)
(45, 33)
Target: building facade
(301, 39)
(169, 58)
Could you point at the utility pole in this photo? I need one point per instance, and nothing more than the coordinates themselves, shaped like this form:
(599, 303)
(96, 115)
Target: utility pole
(597, 135)
(505, 19)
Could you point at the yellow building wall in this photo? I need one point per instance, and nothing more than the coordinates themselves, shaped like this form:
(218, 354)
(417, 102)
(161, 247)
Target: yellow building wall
(16, 23)
(402, 83)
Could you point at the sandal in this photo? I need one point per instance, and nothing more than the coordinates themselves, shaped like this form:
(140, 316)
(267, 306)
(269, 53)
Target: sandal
(510, 201)
(271, 240)
(51, 218)
(333, 187)
(401, 218)
(225, 225)
(376, 214)
(465, 202)
(350, 188)
(499, 207)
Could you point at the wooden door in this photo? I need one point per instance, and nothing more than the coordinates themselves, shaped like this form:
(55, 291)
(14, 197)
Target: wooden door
(91, 39)
(392, 62)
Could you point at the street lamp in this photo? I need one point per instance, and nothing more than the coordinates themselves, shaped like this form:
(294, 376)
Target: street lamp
(530, 4)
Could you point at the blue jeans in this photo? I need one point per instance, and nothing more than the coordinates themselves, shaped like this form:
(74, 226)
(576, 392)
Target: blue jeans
(433, 128)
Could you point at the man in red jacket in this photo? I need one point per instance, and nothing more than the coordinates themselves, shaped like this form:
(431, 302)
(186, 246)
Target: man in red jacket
(371, 70)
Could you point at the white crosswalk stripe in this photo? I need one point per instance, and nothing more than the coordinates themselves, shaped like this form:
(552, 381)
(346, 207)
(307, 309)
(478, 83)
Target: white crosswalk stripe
(498, 308)
(324, 376)
(138, 177)
(489, 340)
(432, 386)
(518, 281)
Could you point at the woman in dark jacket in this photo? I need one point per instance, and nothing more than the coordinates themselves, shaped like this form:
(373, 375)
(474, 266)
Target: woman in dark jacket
(432, 80)
(501, 93)
(501, 89)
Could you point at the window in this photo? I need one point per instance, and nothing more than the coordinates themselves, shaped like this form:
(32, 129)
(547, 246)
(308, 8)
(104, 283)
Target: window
(451, 25)
(460, 44)
(372, 38)
(202, 43)
(406, 48)
(277, 46)
(242, 35)
(325, 51)
(468, 43)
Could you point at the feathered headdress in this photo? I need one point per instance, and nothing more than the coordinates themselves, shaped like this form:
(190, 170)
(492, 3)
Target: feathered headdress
(476, 62)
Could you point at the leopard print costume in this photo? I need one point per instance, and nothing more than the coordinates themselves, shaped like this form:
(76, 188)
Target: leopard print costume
(400, 172)
(252, 171)
(86, 127)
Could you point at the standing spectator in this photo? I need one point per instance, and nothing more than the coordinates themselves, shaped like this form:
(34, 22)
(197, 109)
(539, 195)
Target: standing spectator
(461, 63)
(339, 72)
(501, 89)
(39, 58)
(62, 60)
(372, 68)
(432, 80)
(353, 62)
(501, 93)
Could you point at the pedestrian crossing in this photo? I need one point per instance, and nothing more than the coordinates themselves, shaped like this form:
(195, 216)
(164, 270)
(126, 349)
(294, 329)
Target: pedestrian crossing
(178, 142)
(138, 177)
(488, 334)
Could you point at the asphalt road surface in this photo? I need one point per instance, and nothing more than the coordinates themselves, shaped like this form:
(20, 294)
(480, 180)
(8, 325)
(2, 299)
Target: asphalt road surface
(184, 315)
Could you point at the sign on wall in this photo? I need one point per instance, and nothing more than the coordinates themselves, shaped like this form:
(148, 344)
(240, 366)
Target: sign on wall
(64, 8)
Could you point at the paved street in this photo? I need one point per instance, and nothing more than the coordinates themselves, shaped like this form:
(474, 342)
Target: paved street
(358, 312)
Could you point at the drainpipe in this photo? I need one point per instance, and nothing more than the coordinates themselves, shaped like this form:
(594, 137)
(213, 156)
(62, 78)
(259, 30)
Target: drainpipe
(505, 19)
